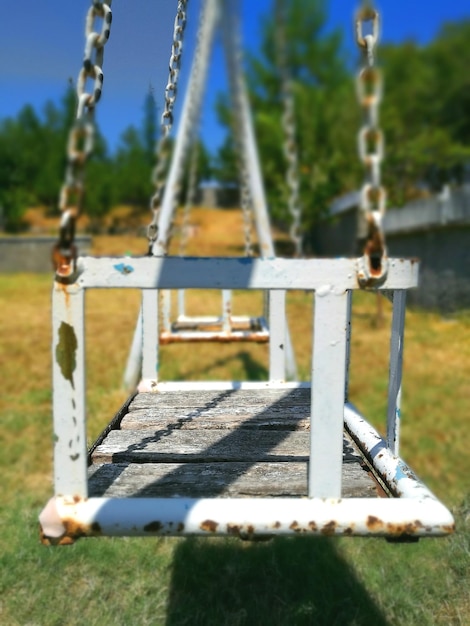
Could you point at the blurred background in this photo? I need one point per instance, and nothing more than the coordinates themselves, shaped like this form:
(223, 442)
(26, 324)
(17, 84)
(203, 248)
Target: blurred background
(424, 55)
(424, 115)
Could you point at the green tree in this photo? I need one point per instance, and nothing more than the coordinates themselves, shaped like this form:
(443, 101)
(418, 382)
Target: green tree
(132, 169)
(423, 113)
(20, 160)
(321, 86)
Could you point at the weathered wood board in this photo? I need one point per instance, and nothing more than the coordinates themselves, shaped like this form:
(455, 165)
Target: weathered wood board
(235, 443)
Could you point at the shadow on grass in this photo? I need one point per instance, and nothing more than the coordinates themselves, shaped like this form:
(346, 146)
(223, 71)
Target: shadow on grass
(253, 369)
(287, 581)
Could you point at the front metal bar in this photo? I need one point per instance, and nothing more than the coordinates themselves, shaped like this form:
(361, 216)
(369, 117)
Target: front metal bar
(328, 385)
(277, 335)
(235, 273)
(150, 326)
(68, 372)
(396, 370)
(247, 518)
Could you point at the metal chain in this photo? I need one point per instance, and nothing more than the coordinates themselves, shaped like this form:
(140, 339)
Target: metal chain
(81, 136)
(289, 128)
(371, 146)
(163, 146)
(234, 61)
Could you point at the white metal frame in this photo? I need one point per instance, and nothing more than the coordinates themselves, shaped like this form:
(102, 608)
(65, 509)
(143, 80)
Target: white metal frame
(413, 512)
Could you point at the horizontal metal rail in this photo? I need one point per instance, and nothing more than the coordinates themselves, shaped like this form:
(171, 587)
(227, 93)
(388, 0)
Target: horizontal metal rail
(236, 273)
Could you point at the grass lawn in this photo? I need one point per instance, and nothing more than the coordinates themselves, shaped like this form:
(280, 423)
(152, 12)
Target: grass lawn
(286, 581)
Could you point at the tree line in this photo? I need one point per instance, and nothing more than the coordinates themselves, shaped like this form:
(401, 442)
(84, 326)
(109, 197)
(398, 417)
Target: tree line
(425, 117)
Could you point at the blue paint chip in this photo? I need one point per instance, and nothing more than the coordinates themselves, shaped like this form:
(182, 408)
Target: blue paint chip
(399, 474)
(123, 268)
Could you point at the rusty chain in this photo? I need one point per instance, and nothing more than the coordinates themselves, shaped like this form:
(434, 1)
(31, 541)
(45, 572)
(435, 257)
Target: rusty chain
(163, 145)
(236, 85)
(289, 129)
(371, 148)
(81, 136)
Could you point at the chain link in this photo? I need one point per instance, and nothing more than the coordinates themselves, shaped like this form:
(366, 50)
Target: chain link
(163, 146)
(81, 135)
(289, 129)
(236, 86)
(371, 145)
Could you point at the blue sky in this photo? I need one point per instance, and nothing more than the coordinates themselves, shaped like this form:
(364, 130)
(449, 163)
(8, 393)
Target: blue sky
(41, 48)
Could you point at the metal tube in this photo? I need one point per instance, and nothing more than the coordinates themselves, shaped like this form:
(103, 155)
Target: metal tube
(396, 369)
(150, 327)
(65, 519)
(392, 470)
(328, 384)
(134, 360)
(234, 273)
(277, 335)
(68, 373)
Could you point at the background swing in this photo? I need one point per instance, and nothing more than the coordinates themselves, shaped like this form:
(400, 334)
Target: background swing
(242, 458)
(225, 327)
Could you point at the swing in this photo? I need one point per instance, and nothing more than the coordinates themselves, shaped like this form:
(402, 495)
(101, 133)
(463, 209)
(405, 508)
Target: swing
(246, 459)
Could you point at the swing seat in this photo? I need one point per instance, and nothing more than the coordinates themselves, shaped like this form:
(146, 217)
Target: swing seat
(233, 458)
(213, 328)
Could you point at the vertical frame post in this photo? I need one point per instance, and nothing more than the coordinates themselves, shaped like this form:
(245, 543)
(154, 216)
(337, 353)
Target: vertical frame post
(348, 343)
(68, 373)
(150, 335)
(277, 335)
(165, 295)
(328, 385)
(396, 370)
(181, 307)
(133, 369)
(226, 310)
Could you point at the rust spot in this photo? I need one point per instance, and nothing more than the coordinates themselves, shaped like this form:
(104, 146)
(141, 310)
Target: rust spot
(366, 13)
(74, 457)
(277, 525)
(313, 527)
(234, 529)
(180, 527)
(295, 527)
(153, 527)
(73, 531)
(349, 531)
(374, 523)
(329, 529)
(209, 526)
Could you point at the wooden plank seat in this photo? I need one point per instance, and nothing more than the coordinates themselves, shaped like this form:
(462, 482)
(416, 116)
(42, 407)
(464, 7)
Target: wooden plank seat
(207, 443)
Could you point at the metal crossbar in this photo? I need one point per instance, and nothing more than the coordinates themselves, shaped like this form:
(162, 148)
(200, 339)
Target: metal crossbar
(412, 512)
